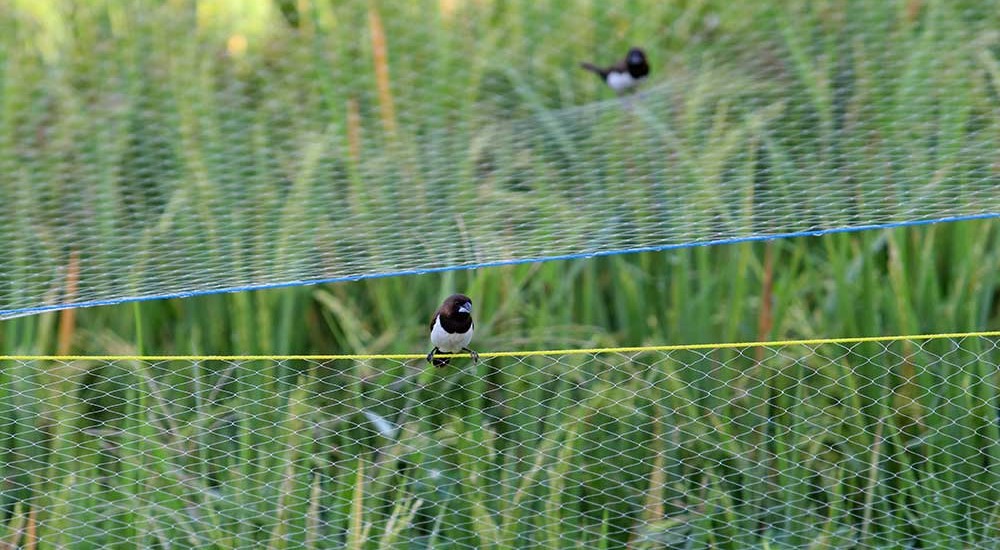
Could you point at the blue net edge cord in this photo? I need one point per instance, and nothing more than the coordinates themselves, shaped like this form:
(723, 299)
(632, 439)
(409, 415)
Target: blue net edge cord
(21, 312)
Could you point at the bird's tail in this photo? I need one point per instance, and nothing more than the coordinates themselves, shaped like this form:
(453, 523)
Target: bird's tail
(594, 69)
(441, 362)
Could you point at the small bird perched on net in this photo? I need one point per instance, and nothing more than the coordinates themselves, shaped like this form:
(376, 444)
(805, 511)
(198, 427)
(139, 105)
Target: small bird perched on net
(451, 329)
(625, 74)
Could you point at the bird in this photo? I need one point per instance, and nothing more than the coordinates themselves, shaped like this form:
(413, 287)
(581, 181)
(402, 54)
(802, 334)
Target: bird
(625, 74)
(451, 329)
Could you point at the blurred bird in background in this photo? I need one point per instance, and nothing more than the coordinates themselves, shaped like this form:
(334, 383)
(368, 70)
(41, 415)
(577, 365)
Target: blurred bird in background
(625, 74)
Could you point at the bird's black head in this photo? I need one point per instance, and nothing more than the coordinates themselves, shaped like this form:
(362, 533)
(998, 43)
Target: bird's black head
(635, 57)
(636, 63)
(457, 304)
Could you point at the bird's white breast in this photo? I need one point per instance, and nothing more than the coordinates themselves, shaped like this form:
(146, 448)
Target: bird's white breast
(447, 341)
(620, 81)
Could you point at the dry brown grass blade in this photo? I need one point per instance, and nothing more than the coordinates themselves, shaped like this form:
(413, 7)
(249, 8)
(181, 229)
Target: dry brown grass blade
(354, 130)
(380, 54)
(653, 509)
(31, 532)
(67, 319)
(765, 321)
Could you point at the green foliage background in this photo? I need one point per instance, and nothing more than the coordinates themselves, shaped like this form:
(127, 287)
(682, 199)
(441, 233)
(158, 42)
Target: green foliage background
(146, 455)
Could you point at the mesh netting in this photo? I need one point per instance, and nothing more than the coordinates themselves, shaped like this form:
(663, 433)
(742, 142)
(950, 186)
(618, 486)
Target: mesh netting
(870, 444)
(167, 148)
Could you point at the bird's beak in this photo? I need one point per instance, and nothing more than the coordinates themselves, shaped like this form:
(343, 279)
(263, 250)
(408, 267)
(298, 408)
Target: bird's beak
(466, 308)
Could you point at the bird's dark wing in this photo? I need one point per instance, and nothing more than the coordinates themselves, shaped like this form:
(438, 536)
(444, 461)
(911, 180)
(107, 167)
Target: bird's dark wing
(620, 67)
(456, 324)
(603, 73)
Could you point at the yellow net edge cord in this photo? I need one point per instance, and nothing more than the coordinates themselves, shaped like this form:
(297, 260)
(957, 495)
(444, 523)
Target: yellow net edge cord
(529, 353)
